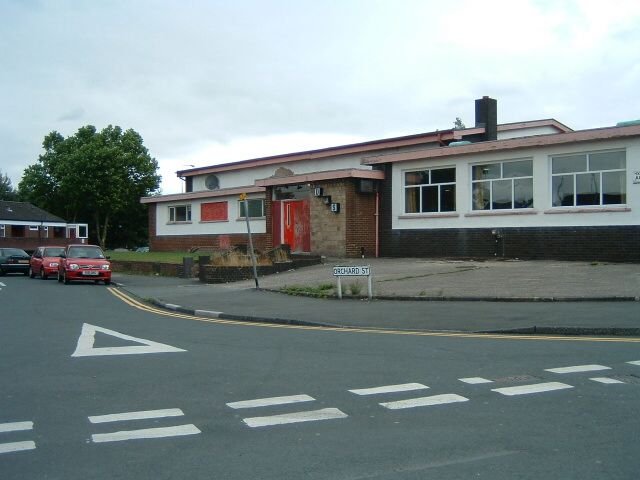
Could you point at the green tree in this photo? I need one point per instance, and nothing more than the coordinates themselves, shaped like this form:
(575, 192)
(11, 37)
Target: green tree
(7, 192)
(97, 178)
(458, 124)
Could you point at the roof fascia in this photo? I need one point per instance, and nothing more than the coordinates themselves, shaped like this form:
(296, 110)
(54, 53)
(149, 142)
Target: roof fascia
(206, 194)
(319, 176)
(580, 136)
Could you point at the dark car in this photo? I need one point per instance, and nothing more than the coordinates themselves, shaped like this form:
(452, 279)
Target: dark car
(14, 260)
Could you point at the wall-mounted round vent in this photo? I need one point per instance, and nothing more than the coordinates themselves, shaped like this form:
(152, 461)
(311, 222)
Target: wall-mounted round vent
(212, 182)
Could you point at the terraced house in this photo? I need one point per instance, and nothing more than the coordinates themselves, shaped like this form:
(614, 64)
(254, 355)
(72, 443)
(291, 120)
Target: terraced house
(532, 189)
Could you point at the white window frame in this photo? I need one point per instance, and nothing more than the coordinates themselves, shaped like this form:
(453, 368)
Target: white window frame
(501, 179)
(3, 232)
(420, 185)
(240, 203)
(172, 213)
(574, 175)
(33, 228)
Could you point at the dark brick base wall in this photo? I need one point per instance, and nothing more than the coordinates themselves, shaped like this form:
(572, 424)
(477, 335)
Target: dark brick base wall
(613, 244)
(183, 243)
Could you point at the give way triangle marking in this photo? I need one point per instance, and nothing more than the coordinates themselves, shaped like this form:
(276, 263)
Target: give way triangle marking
(87, 338)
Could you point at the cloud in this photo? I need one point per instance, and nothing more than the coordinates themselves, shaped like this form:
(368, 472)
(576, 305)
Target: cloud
(190, 75)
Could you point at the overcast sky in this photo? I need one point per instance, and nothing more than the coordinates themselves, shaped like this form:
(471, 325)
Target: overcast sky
(208, 82)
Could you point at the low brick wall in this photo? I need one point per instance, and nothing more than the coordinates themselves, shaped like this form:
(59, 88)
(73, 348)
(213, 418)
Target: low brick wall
(216, 274)
(147, 268)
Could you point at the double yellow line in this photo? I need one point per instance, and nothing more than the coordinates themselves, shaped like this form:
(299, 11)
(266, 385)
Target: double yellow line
(147, 308)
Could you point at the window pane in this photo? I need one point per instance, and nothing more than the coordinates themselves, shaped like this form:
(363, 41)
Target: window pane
(614, 188)
(481, 196)
(443, 175)
(501, 195)
(481, 172)
(588, 189)
(523, 168)
(172, 214)
(562, 191)
(568, 164)
(523, 193)
(181, 214)
(448, 198)
(255, 208)
(411, 200)
(430, 199)
(607, 161)
(416, 178)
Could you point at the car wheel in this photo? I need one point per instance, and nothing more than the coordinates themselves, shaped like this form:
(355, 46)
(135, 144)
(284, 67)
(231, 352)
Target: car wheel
(26, 274)
(32, 274)
(107, 282)
(1, 272)
(64, 278)
(43, 275)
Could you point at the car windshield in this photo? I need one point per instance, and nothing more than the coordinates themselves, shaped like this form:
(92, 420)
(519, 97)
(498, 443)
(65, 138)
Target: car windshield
(85, 252)
(8, 252)
(53, 252)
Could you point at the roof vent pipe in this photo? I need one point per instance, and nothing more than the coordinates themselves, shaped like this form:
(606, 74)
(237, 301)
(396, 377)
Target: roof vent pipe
(487, 117)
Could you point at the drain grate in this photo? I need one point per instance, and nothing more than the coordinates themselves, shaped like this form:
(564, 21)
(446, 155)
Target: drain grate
(633, 379)
(516, 379)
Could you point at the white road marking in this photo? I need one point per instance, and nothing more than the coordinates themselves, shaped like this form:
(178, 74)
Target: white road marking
(425, 401)
(85, 346)
(163, 432)
(16, 426)
(534, 388)
(298, 417)
(577, 368)
(142, 415)
(266, 402)
(475, 380)
(2, 284)
(605, 380)
(16, 446)
(404, 387)
(635, 362)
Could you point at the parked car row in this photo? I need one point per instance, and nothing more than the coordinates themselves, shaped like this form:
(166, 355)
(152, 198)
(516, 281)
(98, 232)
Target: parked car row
(70, 263)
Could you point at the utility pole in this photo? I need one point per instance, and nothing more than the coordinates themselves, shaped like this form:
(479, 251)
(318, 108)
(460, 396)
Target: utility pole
(245, 201)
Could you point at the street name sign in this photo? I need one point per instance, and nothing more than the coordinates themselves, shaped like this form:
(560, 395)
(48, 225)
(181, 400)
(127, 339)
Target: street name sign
(352, 271)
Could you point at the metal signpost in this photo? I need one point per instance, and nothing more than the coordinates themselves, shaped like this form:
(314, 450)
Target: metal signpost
(243, 199)
(353, 271)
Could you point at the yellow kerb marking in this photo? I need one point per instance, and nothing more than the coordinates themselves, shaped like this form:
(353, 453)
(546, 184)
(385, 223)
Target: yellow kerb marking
(147, 308)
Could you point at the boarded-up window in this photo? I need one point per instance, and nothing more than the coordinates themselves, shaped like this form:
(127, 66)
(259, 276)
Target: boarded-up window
(214, 211)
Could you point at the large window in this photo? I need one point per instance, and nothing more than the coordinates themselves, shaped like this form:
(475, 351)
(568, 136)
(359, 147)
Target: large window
(256, 208)
(502, 185)
(430, 191)
(180, 213)
(589, 179)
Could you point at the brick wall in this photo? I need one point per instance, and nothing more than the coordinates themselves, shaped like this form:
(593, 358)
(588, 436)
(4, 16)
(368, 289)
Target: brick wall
(328, 229)
(612, 243)
(183, 243)
(361, 222)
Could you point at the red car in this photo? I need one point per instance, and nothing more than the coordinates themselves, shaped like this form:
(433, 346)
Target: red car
(45, 261)
(84, 262)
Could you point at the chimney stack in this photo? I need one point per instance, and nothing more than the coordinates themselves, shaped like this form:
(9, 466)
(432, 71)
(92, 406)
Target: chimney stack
(487, 117)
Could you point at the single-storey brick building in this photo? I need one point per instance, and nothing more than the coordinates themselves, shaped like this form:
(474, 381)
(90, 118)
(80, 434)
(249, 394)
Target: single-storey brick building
(532, 189)
(25, 226)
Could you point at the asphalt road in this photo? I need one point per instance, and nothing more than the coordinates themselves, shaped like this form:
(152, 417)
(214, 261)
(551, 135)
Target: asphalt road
(366, 404)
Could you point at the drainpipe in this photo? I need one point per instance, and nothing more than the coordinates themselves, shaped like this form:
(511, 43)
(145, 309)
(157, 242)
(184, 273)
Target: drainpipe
(377, 223)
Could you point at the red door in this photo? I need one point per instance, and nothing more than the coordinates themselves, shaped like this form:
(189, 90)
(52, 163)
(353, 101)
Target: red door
(295, 225)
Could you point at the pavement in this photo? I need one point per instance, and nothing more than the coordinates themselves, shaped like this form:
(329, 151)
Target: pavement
(526, 297)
